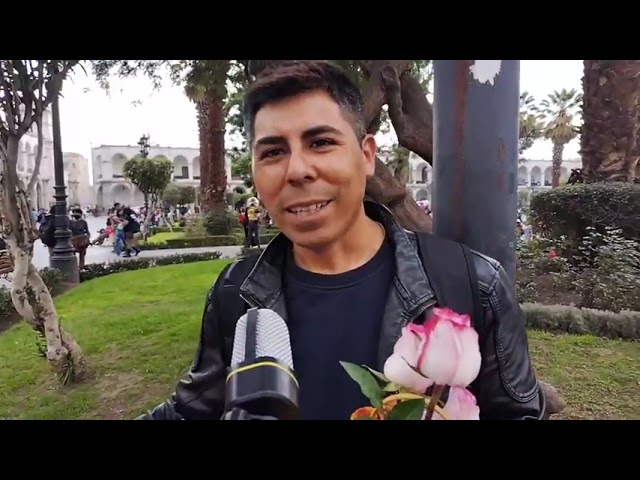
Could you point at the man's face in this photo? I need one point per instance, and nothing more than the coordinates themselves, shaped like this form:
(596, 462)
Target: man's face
(309, 168)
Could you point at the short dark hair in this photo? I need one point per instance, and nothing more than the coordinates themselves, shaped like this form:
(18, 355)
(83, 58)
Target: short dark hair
(288, 78)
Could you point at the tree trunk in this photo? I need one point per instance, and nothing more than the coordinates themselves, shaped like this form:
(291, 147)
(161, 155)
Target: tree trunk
(556, 164)
(214, 193)
(31, 297)
(611, 120)
(203, 127)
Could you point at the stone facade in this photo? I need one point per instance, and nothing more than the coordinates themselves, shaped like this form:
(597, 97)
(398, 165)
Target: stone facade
(77, 179)
(110, 185)
(42, 193)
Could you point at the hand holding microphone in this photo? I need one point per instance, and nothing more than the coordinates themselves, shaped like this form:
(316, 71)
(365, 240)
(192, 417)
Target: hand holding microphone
(261, 384)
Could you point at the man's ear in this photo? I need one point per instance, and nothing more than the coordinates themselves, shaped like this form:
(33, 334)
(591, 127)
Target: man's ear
(369, 149)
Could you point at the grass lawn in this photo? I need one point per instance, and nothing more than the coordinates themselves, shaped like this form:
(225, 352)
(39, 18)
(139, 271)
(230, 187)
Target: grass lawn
(139, 330)
(162, 237)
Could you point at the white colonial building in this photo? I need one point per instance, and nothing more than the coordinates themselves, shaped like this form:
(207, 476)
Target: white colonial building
(110, 185)
(533, 175)
(77, 179)
(42, 193)
(536, 174)
(420, 178)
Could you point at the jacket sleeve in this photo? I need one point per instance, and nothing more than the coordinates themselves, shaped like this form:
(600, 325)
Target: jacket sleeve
(200, 395)
(506, 387)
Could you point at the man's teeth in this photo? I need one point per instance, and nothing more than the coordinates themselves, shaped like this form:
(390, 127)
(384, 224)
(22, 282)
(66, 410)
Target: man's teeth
(310, 208)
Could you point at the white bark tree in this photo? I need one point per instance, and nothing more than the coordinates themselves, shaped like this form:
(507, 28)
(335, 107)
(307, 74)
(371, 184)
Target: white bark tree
(27, 88)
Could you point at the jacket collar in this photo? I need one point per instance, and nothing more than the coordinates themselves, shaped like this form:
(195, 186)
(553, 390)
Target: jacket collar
(263, 285)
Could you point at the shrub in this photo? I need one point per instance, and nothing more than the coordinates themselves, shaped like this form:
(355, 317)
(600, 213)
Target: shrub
(608, 270)
(52, 278)
(582, 321)
(209, 241)
(96, 270)
(216, 224)
(538, 259)
(195, 228)
(571, 209)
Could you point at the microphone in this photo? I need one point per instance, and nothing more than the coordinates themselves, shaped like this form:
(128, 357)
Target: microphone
(261, 384)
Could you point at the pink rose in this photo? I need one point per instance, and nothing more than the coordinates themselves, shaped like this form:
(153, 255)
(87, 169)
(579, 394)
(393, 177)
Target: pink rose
(400, 367)
(449, 353)
(461, 405)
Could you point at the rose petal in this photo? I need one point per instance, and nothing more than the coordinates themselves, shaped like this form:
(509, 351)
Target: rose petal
(461, 405)
(448, 314)
(398, 371)
(407, 345)
(438, 359)
(469, 359)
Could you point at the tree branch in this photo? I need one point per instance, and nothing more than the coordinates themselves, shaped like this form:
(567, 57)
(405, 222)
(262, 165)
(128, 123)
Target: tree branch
(410, 112)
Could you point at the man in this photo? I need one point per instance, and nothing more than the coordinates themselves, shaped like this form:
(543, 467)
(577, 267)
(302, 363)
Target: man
(343, 273)
(253, 227)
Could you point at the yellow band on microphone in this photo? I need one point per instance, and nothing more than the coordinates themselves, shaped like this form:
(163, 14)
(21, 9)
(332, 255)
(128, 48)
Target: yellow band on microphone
(263, 364)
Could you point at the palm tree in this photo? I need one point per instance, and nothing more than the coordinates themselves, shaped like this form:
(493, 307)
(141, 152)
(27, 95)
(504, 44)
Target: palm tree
(206, 86)
(559, 110)
(610, 143)
(531, 125)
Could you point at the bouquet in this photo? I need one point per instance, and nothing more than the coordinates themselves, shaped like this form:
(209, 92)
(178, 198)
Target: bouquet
(443, 352)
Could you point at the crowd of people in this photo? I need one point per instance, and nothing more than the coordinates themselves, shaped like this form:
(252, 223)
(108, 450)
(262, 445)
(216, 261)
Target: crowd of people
(123, 230)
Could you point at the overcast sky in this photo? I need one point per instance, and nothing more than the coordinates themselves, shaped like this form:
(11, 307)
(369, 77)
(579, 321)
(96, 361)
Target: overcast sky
(90, 117)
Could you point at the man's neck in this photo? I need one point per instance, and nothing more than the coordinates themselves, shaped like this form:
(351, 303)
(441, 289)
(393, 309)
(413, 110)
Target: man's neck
(355, 248)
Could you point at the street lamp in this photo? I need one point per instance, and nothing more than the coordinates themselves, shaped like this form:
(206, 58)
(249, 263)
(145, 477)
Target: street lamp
(143, 143)
(144, 146)
(63, 256)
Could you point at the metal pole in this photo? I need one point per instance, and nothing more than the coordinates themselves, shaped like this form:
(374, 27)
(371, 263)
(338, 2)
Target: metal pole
(475, 144)
(63, 257)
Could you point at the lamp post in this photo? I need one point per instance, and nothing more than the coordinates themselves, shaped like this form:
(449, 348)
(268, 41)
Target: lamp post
(63, 257)
(143, 143)
(475, 155)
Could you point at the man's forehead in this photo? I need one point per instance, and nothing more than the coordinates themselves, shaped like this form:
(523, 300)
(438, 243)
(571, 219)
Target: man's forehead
(297, 114)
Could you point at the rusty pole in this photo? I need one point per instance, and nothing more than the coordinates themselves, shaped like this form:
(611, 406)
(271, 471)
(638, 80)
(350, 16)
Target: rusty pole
(475, 155)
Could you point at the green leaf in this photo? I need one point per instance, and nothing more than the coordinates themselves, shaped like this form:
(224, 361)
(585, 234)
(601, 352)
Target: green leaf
(392, 387)
(407, 410)
(377, 374)
(367, 382)
(363, 418)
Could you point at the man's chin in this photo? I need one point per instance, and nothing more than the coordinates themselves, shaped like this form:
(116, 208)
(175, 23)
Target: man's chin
(311, 239)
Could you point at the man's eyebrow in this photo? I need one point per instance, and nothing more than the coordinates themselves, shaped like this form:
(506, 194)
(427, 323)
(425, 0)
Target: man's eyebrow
(319, 130)
(271, 140)
(310, 132)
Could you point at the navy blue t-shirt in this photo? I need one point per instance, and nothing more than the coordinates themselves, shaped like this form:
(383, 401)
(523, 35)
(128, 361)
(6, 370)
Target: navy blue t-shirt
(335, 318)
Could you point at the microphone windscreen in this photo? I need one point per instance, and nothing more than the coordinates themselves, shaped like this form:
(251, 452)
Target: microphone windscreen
(272, 338)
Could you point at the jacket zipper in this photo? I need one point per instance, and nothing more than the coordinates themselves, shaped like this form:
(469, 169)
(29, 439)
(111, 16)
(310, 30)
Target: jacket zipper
(419, 311)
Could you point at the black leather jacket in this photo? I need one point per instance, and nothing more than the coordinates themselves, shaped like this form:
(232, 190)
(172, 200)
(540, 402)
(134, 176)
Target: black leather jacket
(506, 386)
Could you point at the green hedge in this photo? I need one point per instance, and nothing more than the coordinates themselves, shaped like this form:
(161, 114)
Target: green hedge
(52, 277)
(552, 318)
(571, 209)
(582, 321)
(211, 241)
(96, 270)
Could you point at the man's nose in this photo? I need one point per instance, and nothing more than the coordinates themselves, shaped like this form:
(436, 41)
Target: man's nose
(300, 168)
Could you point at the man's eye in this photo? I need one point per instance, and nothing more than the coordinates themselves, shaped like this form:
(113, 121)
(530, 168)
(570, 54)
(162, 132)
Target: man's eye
(323, 142)
(274, 152)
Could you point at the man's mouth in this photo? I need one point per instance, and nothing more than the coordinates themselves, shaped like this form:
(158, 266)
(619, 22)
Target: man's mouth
(308, 209)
